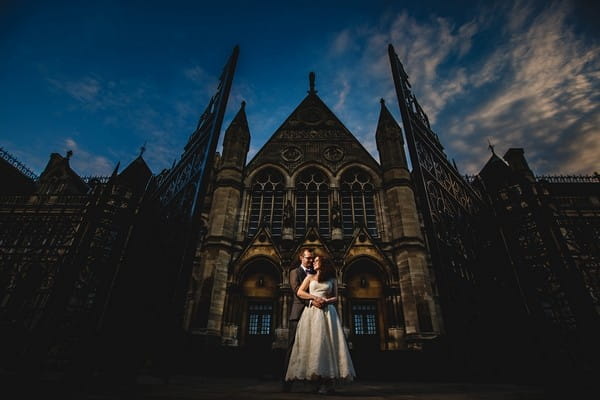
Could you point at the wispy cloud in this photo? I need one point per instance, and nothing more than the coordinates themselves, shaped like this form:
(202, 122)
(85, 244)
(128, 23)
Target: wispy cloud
(548, 102)
(84, 90)
(86, 163)
(143, 109)
(536, 86)
(342, 94)
(342, 42)
(93, 93)
(202, 79)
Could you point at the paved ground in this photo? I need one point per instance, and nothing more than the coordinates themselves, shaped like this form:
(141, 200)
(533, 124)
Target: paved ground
(197, 388)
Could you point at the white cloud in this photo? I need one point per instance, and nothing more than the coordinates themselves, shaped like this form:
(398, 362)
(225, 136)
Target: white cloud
(85, 163)
(202, 79)
(84, 90)
(93, 93)
(342, 94)
(535, 86)
(341, 42)
(550, 90)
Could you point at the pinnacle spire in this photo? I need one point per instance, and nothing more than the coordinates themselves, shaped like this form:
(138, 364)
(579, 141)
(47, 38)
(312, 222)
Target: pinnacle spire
(311, 83)
(491, 146)
(388, 136)
(236, 142)
(240, 117)
(142, 149)
(115, 173)
(116, 170)
(385, 117)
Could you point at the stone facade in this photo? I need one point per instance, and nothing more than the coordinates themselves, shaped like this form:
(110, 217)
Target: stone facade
(313, 185)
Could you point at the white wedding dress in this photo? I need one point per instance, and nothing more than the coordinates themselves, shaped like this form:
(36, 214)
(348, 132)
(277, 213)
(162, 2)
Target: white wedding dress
(320, 350)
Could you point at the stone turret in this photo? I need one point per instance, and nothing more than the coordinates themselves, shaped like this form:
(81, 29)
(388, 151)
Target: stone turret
(517, 162)
(390, 143)
(222, 227)
(404, 230)
(236, 142)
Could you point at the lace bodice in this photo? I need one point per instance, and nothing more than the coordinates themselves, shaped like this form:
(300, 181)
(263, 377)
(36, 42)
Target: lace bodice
(321, 289)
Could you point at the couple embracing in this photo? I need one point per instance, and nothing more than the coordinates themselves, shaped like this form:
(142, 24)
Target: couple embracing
(317, 350)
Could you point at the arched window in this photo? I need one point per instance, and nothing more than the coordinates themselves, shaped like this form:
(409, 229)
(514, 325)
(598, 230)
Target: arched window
(312, 202)
(267, 202)
(358, 206)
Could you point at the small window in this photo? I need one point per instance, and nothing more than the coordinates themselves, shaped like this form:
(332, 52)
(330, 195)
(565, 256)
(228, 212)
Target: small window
(364, 317)
(259, 318)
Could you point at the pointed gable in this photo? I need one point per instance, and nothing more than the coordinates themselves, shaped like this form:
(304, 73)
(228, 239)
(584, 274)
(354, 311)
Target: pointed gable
(261, 245)
(136, 175)
(313, 133)
(363, 245)
(495, 169)
(58, 177)
(312, 239)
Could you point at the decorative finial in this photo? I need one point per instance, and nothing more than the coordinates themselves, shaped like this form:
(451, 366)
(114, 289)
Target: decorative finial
(311, 82)
(491, 146)
(243, 104)
(382, 101)
(69, 154)
(143, 149)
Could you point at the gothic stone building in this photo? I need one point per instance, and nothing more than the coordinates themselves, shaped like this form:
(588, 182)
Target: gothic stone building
(313, 184)
(67, 275)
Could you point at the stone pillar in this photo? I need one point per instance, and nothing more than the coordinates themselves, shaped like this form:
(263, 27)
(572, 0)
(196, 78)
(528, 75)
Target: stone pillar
(421, 316)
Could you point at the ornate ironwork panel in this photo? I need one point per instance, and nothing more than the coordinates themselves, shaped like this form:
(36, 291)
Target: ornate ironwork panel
(173, 205)
(179, 190)
(450, 205)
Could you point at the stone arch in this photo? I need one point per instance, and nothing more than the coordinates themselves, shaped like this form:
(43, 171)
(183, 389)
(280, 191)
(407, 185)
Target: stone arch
(254, 305)
(241, 271)
(375, 176)
(383, 270)
(248, 179)
(309, 165)
(365, 283)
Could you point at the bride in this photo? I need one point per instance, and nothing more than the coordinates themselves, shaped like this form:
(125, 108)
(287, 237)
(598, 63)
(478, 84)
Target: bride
(320, 353)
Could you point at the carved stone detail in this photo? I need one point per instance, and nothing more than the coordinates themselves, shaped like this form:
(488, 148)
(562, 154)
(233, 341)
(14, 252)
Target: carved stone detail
(333, 153)
(291, 154)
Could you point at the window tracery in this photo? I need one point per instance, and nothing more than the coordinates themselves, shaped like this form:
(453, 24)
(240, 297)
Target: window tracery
(312, 202)
(358, 205)
(266, 204)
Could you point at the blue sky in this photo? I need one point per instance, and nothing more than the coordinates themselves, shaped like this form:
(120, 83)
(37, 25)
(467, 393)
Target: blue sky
(103, 77)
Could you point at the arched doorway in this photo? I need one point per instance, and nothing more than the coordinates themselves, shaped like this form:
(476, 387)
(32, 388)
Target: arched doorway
(365, 308)
(260, 310)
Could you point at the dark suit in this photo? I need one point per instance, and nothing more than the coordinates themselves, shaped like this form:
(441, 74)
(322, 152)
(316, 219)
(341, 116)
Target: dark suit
(297, 276)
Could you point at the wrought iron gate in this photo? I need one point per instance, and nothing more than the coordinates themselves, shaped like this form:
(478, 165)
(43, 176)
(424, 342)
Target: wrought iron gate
(453, 211)
(144, 320)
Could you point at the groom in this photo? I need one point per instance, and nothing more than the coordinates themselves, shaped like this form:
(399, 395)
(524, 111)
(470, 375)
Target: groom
(297, 276)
